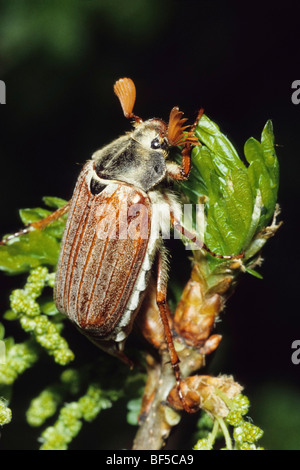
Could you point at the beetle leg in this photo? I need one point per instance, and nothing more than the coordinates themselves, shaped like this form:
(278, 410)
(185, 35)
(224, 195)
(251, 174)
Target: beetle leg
(177, 172)
(194, 239)
(40, 224)
(161, 299)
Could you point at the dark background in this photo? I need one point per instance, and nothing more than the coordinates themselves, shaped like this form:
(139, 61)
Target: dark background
(59, 60)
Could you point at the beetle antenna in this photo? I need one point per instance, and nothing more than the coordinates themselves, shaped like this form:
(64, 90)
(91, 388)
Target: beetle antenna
(124, 88)
(177, 134)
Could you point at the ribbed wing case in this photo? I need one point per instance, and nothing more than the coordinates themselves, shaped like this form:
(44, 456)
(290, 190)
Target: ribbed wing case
(103, 248)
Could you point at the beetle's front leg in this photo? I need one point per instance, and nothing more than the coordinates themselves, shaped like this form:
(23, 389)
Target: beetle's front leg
(40, 224)
(182, 172)
(177, 172)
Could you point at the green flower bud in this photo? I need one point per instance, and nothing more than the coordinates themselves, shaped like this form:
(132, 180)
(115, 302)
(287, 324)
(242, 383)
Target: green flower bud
(22, 303)
(241, 404)
(247, 432)
(202, 444)
(42, 407)
(234, 418)
(5, 413)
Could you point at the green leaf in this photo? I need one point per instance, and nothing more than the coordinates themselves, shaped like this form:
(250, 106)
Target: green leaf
(226, 156)
(56, 228)
(267, 141)
(48, 307)
(202, 159)
(10, 315)
(272, 165)
(33, 215)
(54, 202)
(254, 273)
(263, 171)
(134, 407)
(239, 200)
(29, 251)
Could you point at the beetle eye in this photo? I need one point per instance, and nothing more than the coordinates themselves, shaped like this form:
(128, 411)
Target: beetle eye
(155, 144)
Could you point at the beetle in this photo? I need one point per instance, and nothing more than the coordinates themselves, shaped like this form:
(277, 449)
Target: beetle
(113, 232)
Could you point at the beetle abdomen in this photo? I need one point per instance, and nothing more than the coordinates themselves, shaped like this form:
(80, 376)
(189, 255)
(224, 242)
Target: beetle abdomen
(102, 252)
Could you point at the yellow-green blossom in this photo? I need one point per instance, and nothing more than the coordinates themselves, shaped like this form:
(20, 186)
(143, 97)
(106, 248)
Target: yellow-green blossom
(5, 413)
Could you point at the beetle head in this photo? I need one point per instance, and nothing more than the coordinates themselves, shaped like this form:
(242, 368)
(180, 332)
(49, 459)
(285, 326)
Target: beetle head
(152, 135)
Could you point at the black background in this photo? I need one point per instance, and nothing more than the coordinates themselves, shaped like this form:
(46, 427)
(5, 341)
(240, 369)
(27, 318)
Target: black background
(236, 61)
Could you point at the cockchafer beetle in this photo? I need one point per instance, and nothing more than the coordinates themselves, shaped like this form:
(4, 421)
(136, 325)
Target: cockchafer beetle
(113, 234)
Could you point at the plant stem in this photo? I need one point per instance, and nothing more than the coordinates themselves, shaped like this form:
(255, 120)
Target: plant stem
(225, 431)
